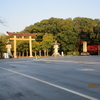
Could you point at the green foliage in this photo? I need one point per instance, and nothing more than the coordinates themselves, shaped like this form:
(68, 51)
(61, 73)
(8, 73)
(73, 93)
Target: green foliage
(47, 42)
(36, 46)
(69, 53)
(68, 36)
(22, 46)
(68, 32)
(3, 40)
(85, 27)
(45, 26)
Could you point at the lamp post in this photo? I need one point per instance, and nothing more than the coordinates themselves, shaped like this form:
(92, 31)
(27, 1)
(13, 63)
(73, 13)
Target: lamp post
(56, 46)
(8, 46)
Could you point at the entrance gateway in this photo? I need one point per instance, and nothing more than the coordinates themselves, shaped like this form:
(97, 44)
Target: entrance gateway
(22, 38)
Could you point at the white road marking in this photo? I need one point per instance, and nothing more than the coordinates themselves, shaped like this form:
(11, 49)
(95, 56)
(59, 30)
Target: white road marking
(70, 61)
(17, 65)
(54, 85)
(19, 62)
(85, 69)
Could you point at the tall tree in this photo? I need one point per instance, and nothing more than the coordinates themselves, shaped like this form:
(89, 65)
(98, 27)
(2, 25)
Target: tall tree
(47, 42)
(96, 29)
(68, 36)
(22, 46)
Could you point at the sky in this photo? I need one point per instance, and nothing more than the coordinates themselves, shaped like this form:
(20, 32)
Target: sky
(18, 14)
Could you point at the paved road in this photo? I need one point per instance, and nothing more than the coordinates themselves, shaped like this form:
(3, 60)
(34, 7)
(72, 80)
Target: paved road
(50, 78)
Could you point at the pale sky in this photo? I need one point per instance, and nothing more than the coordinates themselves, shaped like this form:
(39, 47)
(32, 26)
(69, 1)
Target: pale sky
(18, 14)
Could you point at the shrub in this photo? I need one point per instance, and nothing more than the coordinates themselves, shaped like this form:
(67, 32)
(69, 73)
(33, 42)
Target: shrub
(72, 53)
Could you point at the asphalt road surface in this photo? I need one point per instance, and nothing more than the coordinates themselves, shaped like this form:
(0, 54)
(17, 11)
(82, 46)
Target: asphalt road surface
(50, 78)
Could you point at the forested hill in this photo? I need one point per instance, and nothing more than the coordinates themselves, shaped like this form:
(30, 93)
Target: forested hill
(68, 32)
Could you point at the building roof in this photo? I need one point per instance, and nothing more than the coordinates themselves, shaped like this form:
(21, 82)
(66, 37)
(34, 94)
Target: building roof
(20, 34)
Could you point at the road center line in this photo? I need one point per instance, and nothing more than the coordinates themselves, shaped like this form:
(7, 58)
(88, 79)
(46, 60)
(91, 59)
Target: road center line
(54, 85)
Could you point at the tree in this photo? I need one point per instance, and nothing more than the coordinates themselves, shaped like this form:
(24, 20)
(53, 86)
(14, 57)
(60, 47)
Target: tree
(96, 29)
(3, 40)
(85, 30)
(47, 42)
(36, 46)
(68, 36)
(85, 27)
(22, 46)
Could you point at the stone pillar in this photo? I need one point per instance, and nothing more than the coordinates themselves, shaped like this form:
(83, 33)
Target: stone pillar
(27, 53)
(35, 54)
(30, 45)
(47, 52)
(19, 53)
(56, 48)
(44, 52)
(84, 46)
(15, 46)
(85, 53)
(40, 53)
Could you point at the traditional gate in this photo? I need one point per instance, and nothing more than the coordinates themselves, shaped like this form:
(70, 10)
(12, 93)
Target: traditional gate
(22, 38)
